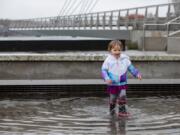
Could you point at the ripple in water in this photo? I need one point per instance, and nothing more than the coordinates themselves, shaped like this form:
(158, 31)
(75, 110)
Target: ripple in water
(82, 116)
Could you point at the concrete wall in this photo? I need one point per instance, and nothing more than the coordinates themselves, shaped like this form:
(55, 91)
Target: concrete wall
(173, 45)
(154, 40)
(82, 65)
(155, 44)
(136, 36)
(81, 70)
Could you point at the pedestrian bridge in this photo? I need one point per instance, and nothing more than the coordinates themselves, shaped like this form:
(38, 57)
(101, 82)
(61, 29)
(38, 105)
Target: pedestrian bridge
(107, 24)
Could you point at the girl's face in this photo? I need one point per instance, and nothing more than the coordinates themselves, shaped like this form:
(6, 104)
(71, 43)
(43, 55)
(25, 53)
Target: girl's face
(116, 51)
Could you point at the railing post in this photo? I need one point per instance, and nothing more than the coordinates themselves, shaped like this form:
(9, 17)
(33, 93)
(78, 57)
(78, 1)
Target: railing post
(29, 24)
(110, 20)
(91, 22)
(168, 25)
(17, 24)
(35, 23)
(59, 22)
(104, 20)
(65, 22)
(127, 19)
(74, 22)
(157, 14)
(22, 23)
(42, 23)
(144, 34)
(45, 21)
(55, 22)
(85, 21)
(79, 22)
(118, 21)
(145, 15)
(168, 12)
(52, 20)
(97, 21)
(68, 21)
(136, 18)
(32, 23)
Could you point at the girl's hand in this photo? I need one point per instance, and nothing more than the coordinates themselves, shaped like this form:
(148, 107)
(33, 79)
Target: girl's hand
(108, 81)
(139, 76)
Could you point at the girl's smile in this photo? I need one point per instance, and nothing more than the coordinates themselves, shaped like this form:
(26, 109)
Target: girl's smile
(116, 51)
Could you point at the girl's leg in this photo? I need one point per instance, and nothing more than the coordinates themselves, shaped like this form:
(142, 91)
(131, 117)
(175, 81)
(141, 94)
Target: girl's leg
(112, 103)
(122, 99)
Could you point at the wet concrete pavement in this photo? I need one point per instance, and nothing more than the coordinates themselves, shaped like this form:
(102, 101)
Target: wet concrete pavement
(82, 116)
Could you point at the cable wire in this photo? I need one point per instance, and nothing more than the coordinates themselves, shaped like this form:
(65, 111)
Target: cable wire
(93, 6)
(66, 3)
(82, 6)
(86, 6)
(76, 7)
(66, 12)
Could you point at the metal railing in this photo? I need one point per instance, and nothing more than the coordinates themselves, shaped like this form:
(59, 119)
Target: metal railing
(132, 18)
(167, 25)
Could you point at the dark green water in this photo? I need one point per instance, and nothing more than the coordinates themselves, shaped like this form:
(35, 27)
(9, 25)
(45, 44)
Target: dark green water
(89, 116)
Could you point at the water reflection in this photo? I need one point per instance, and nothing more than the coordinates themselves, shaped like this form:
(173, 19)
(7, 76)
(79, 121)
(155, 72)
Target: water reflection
(117, 126)
(82, 116)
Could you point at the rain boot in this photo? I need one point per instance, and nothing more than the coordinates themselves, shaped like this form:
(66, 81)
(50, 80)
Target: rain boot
(112, 109)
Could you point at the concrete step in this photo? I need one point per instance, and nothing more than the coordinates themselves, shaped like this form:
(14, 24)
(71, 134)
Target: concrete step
(84, 82)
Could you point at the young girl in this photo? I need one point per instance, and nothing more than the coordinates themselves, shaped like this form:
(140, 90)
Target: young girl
(114, 72)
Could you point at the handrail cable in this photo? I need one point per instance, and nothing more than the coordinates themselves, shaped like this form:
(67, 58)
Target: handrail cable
(66, 3)
(74, 10)
(70, 7)
(89, 6)
(82, 6)
(93, 5)
(86, 6)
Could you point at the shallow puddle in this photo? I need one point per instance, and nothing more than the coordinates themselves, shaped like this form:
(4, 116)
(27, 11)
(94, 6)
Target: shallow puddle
(82, 116)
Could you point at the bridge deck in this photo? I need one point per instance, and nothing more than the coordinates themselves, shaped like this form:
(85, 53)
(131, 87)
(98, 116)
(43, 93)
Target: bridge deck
(101, 24)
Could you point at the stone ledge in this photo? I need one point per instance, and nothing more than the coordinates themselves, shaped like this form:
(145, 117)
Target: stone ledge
(86, 56)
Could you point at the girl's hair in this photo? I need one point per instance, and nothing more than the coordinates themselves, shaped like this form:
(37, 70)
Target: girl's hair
(114, 43)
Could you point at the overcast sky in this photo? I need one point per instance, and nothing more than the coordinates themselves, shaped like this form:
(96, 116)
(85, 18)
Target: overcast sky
(20, 9)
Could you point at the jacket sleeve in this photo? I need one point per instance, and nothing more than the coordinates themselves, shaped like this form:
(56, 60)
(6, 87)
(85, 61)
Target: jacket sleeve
(104, 70)
(134, 71)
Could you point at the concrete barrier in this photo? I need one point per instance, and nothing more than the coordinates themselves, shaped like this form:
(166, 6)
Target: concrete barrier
(82, 65)
(155, 44)
(173, 45)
